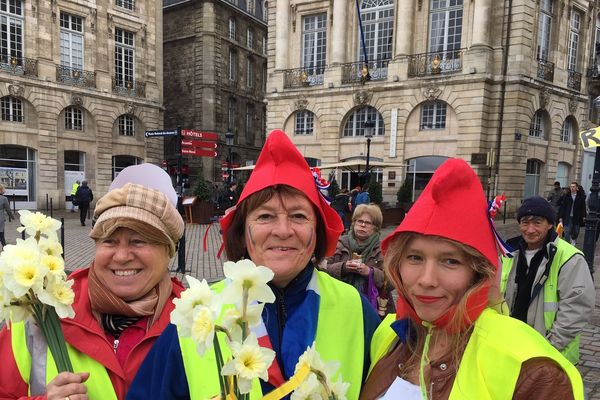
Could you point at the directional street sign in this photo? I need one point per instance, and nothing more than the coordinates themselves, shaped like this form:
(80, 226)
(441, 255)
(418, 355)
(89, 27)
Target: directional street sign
(172, 132)
(199, 143)
(198, 152)
(590, 137)
(199, 135)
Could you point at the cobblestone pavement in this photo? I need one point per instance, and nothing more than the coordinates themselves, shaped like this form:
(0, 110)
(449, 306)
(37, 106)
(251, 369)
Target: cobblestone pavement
(203, 243)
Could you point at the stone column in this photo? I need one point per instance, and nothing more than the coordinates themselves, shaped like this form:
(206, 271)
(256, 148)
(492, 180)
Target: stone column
(405, 27)
(481, 25)
(339, 39)
(282, 33)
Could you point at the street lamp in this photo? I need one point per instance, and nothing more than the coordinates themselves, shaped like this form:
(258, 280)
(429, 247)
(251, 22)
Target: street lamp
(229, 142)
(591, 220)
(368, 126)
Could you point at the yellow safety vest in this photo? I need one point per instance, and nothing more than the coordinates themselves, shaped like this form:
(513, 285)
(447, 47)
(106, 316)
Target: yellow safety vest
(99, 385)
(490, 366)
(563, 254)
(339, 337)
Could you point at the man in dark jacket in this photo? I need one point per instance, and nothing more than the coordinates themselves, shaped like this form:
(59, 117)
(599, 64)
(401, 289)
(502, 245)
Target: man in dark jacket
(341, 204)
(229, 197)
(572, 212)
(84, 197)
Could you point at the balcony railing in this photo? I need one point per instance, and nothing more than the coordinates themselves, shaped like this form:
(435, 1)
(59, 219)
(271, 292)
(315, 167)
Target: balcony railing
(302, 77)
(18, 65)
(75, 76)
(545, 70)
(434, 63)
(358, 72)
(128, 88)
(574, 81)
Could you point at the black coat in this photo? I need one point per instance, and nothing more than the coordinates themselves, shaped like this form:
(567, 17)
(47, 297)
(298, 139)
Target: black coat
(579, 210)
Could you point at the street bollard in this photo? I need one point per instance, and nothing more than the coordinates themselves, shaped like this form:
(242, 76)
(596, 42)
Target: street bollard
(181, 254)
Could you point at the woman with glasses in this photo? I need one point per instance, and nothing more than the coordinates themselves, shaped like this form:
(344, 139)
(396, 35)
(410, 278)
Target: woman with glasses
(358, 260)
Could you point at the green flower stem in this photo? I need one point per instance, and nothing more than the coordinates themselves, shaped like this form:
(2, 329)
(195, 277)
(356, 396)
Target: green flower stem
(223, 384)
(48, 321)
(244, 313)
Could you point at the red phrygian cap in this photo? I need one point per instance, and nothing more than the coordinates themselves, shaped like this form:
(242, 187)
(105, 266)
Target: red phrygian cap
(280, 163)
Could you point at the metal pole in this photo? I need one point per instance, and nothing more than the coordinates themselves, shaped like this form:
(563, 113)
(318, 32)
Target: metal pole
(181, 247)
(51, 209)
(591, 221)
(179, 161)
(62, 235)
(230, 170)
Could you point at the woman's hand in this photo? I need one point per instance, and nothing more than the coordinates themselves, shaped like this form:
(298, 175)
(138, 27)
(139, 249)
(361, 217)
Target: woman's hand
(357, 267)
(68, 386)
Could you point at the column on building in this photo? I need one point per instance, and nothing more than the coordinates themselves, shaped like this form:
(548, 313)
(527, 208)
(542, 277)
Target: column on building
(340, 12)
(405, 27)
(282, 33)
(481, 26)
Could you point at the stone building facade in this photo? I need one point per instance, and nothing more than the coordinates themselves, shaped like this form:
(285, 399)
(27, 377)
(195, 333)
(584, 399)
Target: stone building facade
(80, 82)
(501, 84)
(215, 69)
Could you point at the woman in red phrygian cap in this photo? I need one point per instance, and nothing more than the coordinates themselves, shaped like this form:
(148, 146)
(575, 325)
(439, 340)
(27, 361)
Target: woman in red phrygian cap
(280, 221)
(449, 339)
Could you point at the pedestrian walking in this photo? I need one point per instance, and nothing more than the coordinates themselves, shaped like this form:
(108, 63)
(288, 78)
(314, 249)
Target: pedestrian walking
(73, 193)
(547, 283)
(84, 197)
(572, 212)
(4, 211)
(341, 204)
(555, 197)
(363, 197)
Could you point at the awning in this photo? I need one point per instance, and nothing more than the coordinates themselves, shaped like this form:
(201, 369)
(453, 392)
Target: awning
(353, 166)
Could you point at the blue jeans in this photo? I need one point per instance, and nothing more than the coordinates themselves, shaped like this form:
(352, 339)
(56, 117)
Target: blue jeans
(344, 219)
(571, 232)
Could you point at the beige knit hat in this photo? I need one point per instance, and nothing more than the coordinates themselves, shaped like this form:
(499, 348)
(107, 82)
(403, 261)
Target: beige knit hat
(143, 193)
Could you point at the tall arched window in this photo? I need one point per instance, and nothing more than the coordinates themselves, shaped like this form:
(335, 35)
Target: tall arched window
(12, 109)
(445, 28)
(355, 124)
(73, 118)
(126, 125)
(567, 130)
(532, 178)
(537, 128)
(378, 28)
(305, 122)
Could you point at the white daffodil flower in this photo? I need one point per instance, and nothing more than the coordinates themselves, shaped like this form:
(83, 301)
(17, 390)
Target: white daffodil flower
(26, 275)
(245, 275)
(38, 222)
(202, 329)
(50, 247)
(232, 319)
(340, 389)
(58, 294)
(309, 389)
(250, 361)
(198, 294)
(55, 265)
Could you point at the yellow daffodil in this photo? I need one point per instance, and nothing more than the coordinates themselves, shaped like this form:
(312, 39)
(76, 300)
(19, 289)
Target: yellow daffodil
(198, 294)
(244, 275)
(55, 265)
(202, 329)
(50, 247)
(250, 361)
(26, 275)
(38, 223)
(59, 295)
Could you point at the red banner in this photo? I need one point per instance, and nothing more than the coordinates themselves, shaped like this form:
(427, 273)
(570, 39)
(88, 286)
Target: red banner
(199, 135)
(198, 152)
(199, 143)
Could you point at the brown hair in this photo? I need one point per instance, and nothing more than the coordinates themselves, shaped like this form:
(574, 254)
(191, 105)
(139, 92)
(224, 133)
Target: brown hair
(235, 239)
(372, 210)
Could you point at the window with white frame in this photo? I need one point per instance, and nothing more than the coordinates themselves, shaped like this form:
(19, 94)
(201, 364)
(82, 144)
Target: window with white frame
(71, 41)
(73, 118)
(445, 28)
(305, 122)
(126, 125)
(127, 4)
(250, 73)
(232, 28)
(124, 58)
(314, 43)
(567, 131)
(378, 28)
(532, 178)
(536, 129)
(250, 38)
(544, 29)
(355, 124)
(575, 26)
(232, 65)
(231, 120)
(433, 115)
(12, 109)
(265, 11)
(11, 31)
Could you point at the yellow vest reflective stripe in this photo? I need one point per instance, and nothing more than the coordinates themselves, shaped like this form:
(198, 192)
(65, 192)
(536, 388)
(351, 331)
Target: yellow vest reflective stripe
(489, 368)
(99, 385)
(340, 310)
(563, 254)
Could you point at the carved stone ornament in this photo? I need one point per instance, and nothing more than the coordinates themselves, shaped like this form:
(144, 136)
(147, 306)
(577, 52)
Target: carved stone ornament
(573, 103)
(544, 98)
(77, 100)
(420, 4)
(362, 98)
(432, 92)
(301, 104)
(16, 90)
(129, 108)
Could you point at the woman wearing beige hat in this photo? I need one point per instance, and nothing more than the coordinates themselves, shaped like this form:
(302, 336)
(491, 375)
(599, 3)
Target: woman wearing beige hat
(122, 301)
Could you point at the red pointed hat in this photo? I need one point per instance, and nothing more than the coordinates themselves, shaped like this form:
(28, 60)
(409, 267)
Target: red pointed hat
(452, 206)
(280, 163)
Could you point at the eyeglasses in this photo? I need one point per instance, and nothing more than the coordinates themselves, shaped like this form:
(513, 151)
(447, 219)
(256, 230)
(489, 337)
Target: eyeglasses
(363, 222)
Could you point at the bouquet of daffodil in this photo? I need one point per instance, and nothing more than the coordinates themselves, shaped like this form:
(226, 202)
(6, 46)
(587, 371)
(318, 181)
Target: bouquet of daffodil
(234, 307)
(33, 283)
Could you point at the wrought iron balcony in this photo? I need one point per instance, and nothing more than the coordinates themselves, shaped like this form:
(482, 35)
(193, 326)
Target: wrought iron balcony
(75, 76)
(302, 77)
(18, 65)
(545, 70)
(574, 81)
(358, 71)
(128, 88)
(434, 63)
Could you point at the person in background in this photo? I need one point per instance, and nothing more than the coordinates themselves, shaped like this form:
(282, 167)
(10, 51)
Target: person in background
(122, 300)
(555, 197)
(547, 283)
(84, 197)
(572, 212)
(358, 260)
(229, 197)
(448, 340)
(363, 197)
(73, 193)
(280, 221)
(4, 207)
(341, 204)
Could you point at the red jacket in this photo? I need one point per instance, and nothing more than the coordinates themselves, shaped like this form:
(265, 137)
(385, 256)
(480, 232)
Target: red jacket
(85, 334)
